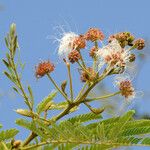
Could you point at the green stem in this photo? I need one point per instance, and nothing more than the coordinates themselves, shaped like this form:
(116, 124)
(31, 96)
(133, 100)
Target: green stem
(56, 86)
(102, 97)
(83, 68)
(70, 80)
(20, 85)
(4, 145)
(95, 59)
(82, 90)
(82, 60)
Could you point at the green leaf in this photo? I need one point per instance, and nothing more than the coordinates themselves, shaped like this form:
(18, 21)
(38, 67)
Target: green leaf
(31, 95)
(101, 131)
(146, 141)
(6, 63)
(31, 126)
(136, 131)
(58, 106)
(3, 146)
(115, 130)
(43, 104)
(84, 117)
(8, 134)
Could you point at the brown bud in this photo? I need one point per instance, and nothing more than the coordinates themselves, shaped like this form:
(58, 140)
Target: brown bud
(16, 144)
(79, 42)
(132, 57)
(124, 38)
(93, 51)
(139, 44)
(43, 68)
(74, 56)
(94, 34)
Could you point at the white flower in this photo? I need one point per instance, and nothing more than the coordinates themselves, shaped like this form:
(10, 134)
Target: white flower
(66, 44)
(113, 54)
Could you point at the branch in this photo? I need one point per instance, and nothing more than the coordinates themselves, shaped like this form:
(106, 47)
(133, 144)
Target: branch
(102, 97)
(56, 86)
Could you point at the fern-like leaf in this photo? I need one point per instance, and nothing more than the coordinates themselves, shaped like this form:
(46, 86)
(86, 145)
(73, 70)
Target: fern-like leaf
(46, 102)
(8, 134)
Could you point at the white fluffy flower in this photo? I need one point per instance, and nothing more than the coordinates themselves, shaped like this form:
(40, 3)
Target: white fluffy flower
(66, 44)
(113, 54)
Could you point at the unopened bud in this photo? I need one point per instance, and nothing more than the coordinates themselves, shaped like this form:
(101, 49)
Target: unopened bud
(132, 58)
(139, 44)
(16, 144)
(25, 112)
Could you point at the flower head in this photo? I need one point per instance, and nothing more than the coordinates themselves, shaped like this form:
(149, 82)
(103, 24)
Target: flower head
(124, 38)
(125, 86)
(93, 52)
(139, 44)
(94, 34)
(43, 68)
(74, 56)
(79, 42)
(132, 57)
(66, 44)
(113, 54)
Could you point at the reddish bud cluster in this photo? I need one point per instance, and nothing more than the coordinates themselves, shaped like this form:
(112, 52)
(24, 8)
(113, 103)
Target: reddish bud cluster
(124, 38)
(94, 34)
(79, 42)
(93, 51)
(139, 44)
(44, 68)
(126, 88)
(132, 57)
(74, 56)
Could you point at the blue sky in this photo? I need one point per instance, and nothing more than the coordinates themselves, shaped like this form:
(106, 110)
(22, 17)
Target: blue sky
(37, 23)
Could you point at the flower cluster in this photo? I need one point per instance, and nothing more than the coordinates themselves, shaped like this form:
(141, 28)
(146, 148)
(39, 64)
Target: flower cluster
(124, 38)
(94, 34)
(125, 86)
(112, 57)
(44, 68)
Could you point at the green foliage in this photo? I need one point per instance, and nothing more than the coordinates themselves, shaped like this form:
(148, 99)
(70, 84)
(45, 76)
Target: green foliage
(84, 118)
(46, 102)
(7, 134)
(73, 133)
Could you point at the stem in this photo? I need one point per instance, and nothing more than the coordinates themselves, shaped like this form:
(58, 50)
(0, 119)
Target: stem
(56, 86)
(82, 60)
(131, 48)
(70, 80)
(102, 97)
(4, 145)
(95, 58)
(83, 68)
(29, 138)
(20, 85)
(82, 90)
